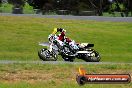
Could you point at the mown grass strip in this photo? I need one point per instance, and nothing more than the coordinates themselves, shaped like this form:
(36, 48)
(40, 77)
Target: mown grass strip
(56, 76)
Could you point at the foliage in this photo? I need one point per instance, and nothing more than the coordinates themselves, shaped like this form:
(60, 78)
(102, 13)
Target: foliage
(0, 1)
(113, 6)
(17, 2)
(28, 9)
(76, 6)
(122, 7)
(5, 7)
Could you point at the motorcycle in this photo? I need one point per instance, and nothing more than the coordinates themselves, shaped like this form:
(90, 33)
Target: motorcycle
(69, 51)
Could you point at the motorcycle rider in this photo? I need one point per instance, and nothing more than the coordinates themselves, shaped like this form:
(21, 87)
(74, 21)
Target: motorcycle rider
(61, 36)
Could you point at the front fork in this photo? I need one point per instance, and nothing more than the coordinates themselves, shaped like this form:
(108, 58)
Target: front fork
(50, 48)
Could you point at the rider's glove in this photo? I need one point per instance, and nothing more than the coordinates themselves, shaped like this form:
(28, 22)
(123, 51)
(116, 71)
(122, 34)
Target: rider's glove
(61, 30)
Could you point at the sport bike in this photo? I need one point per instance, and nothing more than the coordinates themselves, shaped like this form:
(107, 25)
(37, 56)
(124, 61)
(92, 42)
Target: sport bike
(69, 51)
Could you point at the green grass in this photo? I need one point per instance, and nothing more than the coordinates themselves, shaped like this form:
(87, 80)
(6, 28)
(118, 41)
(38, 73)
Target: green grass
(51, 84)
(56, 76)
(19, 37)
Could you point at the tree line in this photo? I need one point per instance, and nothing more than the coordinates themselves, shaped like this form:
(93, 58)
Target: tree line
(75, 6)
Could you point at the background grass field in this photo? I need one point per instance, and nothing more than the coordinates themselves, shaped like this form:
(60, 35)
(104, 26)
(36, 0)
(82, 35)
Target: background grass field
(19, 37)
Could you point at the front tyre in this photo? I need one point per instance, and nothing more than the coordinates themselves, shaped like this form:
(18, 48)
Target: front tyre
(94, 57)
(46, 55)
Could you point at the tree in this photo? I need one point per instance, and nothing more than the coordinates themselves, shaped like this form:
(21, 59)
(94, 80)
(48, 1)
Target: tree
(128, 5)
(0, 5)
(0, 2)
(19, 2)
(79, 5)
(43, 5)
(37, 4)
(70, 5)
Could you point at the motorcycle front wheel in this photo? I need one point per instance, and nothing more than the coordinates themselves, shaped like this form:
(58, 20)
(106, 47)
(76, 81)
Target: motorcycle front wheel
(46, 55)
(95, 57)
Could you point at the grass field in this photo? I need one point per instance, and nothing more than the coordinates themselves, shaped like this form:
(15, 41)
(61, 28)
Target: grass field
(19, 37)
(56, 76)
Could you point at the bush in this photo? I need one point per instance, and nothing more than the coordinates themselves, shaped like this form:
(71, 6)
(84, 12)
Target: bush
(6, 8)
(28, 9)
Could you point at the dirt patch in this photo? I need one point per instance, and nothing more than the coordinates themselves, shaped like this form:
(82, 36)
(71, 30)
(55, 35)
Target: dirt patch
(26, 75)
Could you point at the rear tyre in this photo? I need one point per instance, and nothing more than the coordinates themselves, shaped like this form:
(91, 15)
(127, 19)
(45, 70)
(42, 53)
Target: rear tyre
(46, 55)
(95, 57)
